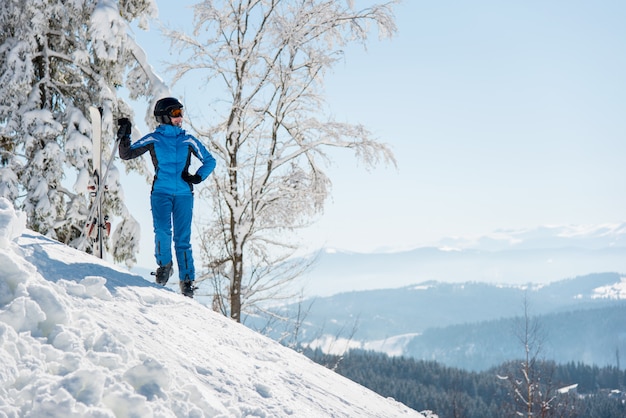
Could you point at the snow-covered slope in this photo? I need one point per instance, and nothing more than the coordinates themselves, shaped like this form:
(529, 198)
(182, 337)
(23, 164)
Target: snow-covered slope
(83, 338)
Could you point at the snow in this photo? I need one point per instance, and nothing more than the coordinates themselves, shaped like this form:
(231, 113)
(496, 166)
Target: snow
(392, 346)
(84, 338)
(616, 291)
(568, 389)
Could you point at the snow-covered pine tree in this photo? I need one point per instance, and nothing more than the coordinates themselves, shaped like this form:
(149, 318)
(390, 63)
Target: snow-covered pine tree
(271, 130)
(57, 58)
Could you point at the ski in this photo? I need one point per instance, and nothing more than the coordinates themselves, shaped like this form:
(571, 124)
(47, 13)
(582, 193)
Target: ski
(96, 225)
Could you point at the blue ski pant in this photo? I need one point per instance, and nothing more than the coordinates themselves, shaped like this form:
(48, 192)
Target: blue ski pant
(167, 211)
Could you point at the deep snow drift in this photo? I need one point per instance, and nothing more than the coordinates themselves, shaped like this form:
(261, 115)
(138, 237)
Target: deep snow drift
(84, 338)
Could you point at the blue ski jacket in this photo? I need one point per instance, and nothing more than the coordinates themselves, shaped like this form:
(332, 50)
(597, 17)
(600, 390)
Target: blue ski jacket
(171, 149)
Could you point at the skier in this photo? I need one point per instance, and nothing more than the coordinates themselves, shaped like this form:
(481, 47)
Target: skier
(171, 198)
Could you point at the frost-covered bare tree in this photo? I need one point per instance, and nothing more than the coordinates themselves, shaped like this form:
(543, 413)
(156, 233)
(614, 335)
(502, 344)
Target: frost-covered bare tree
(531, 381)
(265, 60)
(56, 59)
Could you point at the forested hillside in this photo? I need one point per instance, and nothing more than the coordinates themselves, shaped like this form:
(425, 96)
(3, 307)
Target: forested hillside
(576, 389)
(592, 336)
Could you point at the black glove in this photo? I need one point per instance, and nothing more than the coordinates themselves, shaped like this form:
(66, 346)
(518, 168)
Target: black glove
(189, 178)
(125, 128)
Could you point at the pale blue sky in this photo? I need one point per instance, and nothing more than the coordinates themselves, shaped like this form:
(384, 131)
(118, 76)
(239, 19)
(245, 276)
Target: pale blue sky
(502, 115)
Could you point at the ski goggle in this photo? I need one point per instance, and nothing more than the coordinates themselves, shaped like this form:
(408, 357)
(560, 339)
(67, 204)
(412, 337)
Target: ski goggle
(176, 113)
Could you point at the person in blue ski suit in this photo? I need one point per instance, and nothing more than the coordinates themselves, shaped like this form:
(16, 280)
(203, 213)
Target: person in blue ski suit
(171, 199)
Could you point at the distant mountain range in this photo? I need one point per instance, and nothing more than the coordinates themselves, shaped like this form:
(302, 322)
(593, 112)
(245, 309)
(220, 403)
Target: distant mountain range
(540, 255)
(471, 325)
(547, 237)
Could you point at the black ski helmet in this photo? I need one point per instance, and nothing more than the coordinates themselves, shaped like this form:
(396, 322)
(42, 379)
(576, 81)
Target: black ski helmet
(163, 108)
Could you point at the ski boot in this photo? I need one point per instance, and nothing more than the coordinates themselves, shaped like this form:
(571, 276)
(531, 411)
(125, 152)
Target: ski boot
(187, 287)
(163, 273)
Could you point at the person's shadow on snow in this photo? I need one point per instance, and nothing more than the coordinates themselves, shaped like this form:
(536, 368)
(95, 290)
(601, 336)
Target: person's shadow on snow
(56, 270)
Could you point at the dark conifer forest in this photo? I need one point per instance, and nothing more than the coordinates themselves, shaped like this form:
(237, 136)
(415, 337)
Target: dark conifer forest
(554, 390)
